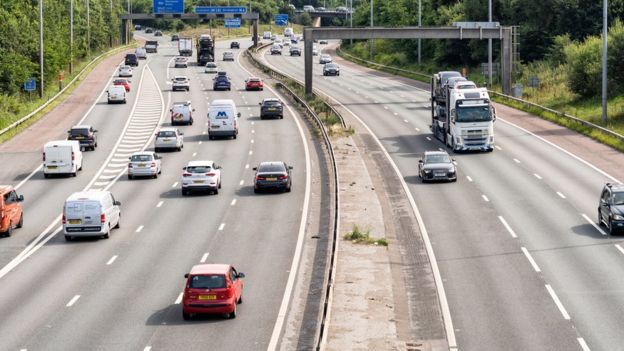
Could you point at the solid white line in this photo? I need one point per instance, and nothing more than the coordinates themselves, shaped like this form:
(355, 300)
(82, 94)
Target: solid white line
(160, 203)
(537, 176)
(72, 301)
(511, 231)
(233, 202)
(222, 226)
(620, 248)
(179, 299)
(485, 198)
(29, 176)
(516, 160)
(100, 183)
(174, 185)
(583, 344)
(112, 259)
(530, 258)
(557, 302)
(469, 179)
(204, 258)
(593, 224)
(498, 147)
(561, 195)
(138, 230)
(241, 182)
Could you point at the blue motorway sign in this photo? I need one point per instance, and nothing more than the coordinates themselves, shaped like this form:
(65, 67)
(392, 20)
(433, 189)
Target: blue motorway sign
(202, 10)
(232, 23)
(30, 84)
(168, 6)
(281, 19)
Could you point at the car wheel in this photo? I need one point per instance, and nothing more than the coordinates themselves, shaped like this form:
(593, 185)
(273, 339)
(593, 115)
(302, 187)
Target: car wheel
(9, 231)
(73, 174)
(45, 175)
(191, 122)
(219, 184)
(118, 225)
(611, 231)
(186, 316)
(179, 148)
(184, 192)
(256, 190)
(289, 188)
(216, 191)
(130, 176)
(107, 235)
(600, 224)
(69, 238)
(232, 314)
(155, 175)
(21, 221)
(240, 299)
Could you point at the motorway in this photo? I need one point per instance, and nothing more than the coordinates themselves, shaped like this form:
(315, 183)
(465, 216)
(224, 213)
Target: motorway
(523, 263)
(124, 293)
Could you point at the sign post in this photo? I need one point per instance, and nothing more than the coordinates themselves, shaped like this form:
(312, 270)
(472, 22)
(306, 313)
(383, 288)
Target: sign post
(30, 85)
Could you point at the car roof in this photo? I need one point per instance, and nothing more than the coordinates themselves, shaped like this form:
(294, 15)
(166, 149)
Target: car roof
(254, 78)
(176, 77)
(428, 153)
(61, 143)
(138, 153)
(168, 129)
(615, 186)
(81, 126)
(271, 99)
(269, 163)
(210, 269)
(87, 195)
(185, 103)
(200, 163)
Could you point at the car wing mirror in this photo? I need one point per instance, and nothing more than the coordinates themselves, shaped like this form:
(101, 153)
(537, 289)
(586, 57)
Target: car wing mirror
(184, 168)
(193, 110)
(238, 114)
(241, 275)
(181, 133)
(255, 168)
(20, 198)
(117, 203)
(420, 161)
(290, 167)
(95, 131)
(186, 275)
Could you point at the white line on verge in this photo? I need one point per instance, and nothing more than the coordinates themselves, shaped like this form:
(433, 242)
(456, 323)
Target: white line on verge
(485, 198)
(233, 202)
(530, 258)
(557, 302)
(498, 147)
(593, 224)
(537, 176)
(508, 227)
(469, 179)
(516, 160)
(174, 185)
(147, 348)
(583, 344)
(561, 195)
(222, 226)
(620, 248)
(179, 299)
(241, 182)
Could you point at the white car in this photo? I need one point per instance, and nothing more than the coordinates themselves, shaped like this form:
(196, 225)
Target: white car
(201, 176)
(211, 67)
(315, 51)
(116, 94)
(125, 71)
(266, 35)
(325, 58)
(228, 56)
(144, 163)
(169, 138)
(180, 62)
(181, 83)
(279, 42)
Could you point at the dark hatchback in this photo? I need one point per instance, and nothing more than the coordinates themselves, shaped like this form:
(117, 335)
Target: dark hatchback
(611, 207)
(132, 60)
(272, 175)
(222, 83)
(436, 165)
(271, 107)
(85, 135)
(234, 45)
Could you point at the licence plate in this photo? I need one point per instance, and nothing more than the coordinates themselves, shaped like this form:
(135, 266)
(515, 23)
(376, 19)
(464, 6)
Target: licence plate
(271, 179)
(52, 167)
(142, 165)
(198, 181)
(439, 174)
(215, 127)
(79, 138)
(165, 140)
(207, 297)
(75, 221)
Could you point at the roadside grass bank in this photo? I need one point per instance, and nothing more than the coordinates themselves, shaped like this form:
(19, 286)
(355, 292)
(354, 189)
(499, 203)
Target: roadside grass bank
(359, 236)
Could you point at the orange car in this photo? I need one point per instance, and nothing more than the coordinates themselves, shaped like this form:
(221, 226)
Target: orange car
(212, 288)
(11, 214)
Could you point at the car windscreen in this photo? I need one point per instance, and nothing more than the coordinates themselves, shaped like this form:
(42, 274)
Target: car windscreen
(166, 134)
(473, 114)
(273, 167)
(213, 281)
(437, 159)
(331, 66)
(618, 198)
(79, 132)
(140, 158)
(198, 169)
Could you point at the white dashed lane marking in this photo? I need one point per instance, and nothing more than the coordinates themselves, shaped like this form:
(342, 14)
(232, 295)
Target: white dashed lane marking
(72, 301)
(139, 229)
(112, 259)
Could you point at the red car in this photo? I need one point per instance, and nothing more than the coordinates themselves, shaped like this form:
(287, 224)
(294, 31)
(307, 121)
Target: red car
(124, 82)
(254, 83)
(212, 288)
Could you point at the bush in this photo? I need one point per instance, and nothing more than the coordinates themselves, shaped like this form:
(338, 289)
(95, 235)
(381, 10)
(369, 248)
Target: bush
(584, 62)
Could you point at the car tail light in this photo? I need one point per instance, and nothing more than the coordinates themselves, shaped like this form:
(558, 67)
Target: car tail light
(211, 174)
(282, 177)
(103, 218)
(129, 165)
(193, 296)
(259, 178)
(153, 164)
(186, 174)
(73, 156)
(64, 219)
(44, 157)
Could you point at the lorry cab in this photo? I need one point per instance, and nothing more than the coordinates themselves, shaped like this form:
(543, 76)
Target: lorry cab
(222, 119)
(90, 214)
(471, 117)
(62, 157)
(11, 214)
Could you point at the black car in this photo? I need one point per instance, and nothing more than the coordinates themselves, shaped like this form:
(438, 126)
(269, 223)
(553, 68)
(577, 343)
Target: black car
(175, 37)
(132, 60)
(271, 107)
(149, 30)
(611, 207)
(331, 69)
(272, 175)
(436, 165)
(158, 33)
(86, 135)
(234, 45)
(221, 83)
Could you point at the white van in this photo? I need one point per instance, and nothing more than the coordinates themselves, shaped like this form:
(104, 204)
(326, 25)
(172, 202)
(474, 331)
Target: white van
(62, 157)
(288, 32)
(90, 213)
(222, 116)
(116, 93)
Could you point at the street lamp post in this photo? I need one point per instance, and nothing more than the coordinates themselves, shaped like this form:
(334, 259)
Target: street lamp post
(490, 45)
(88, 30)
(371, 24)
(419, 24)
(40, 48)
(71, 36)
(605, 32)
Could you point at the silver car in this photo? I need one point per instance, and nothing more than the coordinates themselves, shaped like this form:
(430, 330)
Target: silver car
(211, 67)
(169, 138)
(125, 71)
(324, 58)
(180, 83)
(180, 62)
(144, 164)
(228, 56)
(201, 176)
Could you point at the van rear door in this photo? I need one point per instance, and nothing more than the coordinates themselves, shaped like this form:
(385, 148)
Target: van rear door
(58, 155)
(223, 118)
(83, 213)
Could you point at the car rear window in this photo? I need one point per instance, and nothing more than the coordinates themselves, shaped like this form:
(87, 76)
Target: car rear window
(79, 132)
(166, 134)
(272, 103)
(438, 159)
(120, 81)
(211, 65)
(278, 167)
(141, 158)
(180, 79)
(213, 281)
(198, 169)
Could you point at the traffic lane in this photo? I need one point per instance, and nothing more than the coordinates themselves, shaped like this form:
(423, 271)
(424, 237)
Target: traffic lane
(44, 197)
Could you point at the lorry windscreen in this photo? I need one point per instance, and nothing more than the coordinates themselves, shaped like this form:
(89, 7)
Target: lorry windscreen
(473, 114)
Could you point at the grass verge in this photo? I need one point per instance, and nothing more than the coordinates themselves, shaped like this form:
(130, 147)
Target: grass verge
(359, 236)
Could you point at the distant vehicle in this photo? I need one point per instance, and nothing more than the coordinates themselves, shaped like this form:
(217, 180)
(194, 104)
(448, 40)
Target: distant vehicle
(331, 69)
(294, 40)
(182, 113)
(254, 83)
(321, 9)
(212, 288)
(221, 83)
(266, 35)
(272, 175)
(149, 30)
(125, 71)
(325, 58)
(185, 46)
(144, 164)
(205, 49)
(85, 135)
(89, 214)
(288, 32)
(175, 37)
(180, 62)
(122, 82)
(181, 83)
(228, 56)
(116, 93)
(276, 49)
(131, 60)
(211, 67)
(158, 33)
(611, 207)
(308, 8)
(222, 119)
(141, 53)
(271, 107)
(295, 51)
(151, 46)
(11, 212)
(201, 176)
(315, 51)
(279, 42)
(137, 27)
(323, 41)
(169, 138)
(234, 45)
(436, 165)
(62, 157)
(342, 9)
(273, 37)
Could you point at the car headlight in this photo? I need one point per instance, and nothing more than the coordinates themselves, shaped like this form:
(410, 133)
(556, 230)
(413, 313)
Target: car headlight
(617, 217)
(427, 171)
